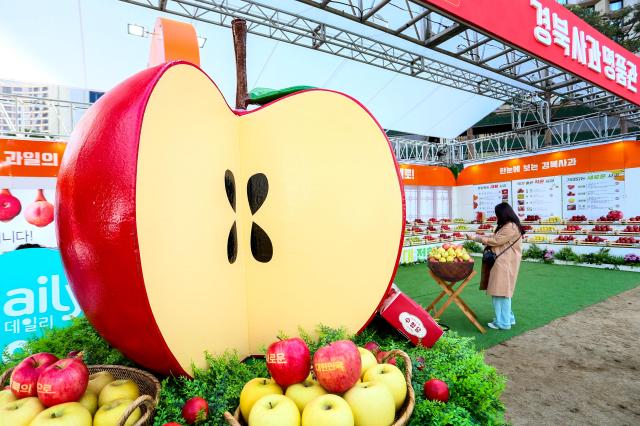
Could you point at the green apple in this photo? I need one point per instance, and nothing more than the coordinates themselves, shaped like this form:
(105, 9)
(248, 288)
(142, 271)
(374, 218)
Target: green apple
(7, 396)
(368, 360)
(67, 414)
(392, 378)
(304, 392)
(274, 410)
(110, 413)
(255, 389)
(327, 410)
(89, 401)
(20, 412)
(371, 403)
(118, 389)
(99, 380)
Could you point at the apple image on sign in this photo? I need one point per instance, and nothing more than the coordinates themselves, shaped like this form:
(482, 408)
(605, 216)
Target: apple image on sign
(133, 199)
(24, 378)
(9, 205)
(67, 414)
(40, 212)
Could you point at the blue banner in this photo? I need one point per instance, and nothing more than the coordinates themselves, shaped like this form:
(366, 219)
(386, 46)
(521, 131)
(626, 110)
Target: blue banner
(34, 296)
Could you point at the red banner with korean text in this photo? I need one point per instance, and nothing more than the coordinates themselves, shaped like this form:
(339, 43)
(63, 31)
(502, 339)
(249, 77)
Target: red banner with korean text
(549, 31)
(30, 158)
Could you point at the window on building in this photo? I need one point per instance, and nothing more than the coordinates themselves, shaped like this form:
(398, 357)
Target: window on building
(94, 96)
(615, 5)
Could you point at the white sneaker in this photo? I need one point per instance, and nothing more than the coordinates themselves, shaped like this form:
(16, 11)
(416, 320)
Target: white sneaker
(492, 325)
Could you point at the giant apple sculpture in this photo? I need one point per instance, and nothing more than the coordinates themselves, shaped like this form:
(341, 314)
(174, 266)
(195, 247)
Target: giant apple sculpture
(186, 226)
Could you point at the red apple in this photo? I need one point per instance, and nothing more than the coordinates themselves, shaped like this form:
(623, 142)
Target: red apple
(288, 361)
(64, 381)
(172, 424)
(74, 354)
(9, 206)
(40, 212)
(380, 357)
(337, 366)
(195, 410)
(113, 223)
(372, 347)
(24, 378)
(436, 390)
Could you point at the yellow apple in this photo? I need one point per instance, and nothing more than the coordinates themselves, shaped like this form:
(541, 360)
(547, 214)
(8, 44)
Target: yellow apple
(327, 410)
(99, 380)
(371, 404)
(274, 410)
(442, 259)
(118, 389)
(255, 389)
(89, 401)
(20, 412)
(110, 413)
(392, 378)
(7, 396)
(305, 392)
(67, 414)
(368, 360)
(466, 257)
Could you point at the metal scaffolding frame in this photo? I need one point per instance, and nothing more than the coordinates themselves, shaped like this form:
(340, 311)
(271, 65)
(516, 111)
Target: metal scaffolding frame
(425, 26)
(278, 24)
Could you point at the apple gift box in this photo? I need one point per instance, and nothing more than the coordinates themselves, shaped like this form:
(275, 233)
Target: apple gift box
(410, 319)
(147, 383)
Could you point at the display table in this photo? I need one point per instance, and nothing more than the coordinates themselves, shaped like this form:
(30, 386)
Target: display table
(454, 296)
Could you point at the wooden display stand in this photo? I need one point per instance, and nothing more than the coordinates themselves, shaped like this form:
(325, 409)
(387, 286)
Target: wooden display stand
(454, 296)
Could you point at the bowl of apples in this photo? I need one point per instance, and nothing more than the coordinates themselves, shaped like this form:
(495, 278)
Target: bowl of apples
(450, 262)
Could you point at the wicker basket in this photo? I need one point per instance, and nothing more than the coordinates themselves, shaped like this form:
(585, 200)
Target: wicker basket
(402, 416)
(451, 271)
(147, 383)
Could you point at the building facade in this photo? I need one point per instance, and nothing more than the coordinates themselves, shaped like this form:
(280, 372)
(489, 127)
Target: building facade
(601, 6)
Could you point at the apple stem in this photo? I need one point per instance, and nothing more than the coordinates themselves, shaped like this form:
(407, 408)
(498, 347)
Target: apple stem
(40, 196)
(239, 30)
(270, 405)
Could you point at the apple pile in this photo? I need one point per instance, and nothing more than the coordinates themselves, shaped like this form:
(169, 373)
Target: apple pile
(418, 221)
(612, 216)
(492, 219)
(594, 239)
(572, 228)
(578, 218)
(632, 228)
(47, 391)
(566, 238)
(634, 219)
(431, 228)
(449, 253)
(627, 240)
(602, 228)
(445, 228)
(351, 386)
(485, 226)
(532, 218)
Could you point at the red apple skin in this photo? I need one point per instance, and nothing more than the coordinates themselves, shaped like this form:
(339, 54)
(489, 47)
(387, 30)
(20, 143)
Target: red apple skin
(337, 366)
(40, 213)
(172, 424)
(436, 390)
(288, 361)
(63, 381)
(90, 252)
(27, 372)
(10, 206)
(372, 347)
(195, 410)
(380, 357)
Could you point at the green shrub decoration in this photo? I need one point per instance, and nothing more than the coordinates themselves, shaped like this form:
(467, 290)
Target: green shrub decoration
(472, 247)
(474, 386)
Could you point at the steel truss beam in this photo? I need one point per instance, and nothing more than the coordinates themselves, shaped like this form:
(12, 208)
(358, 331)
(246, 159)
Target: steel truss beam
(271, 22)
(456, 39)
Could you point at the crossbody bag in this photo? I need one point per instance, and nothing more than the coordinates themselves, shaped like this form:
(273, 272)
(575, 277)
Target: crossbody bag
(489, 257)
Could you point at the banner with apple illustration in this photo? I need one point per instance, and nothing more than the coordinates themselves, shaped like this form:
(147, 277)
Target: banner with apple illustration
(192, 227)
(34, 296)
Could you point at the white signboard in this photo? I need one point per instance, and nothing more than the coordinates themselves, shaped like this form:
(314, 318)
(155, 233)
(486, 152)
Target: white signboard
(593, 194)
(541, 197)
(487, 196)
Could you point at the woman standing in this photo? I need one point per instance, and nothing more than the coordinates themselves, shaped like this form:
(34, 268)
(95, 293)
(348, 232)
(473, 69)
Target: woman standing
(506, 243)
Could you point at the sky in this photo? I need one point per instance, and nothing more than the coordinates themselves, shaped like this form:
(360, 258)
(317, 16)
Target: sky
(84, 43)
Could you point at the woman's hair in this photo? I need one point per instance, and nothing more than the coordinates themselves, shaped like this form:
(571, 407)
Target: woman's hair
(505, 214)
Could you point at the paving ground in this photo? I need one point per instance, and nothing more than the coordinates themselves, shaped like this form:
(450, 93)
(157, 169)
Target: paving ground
(583, 369)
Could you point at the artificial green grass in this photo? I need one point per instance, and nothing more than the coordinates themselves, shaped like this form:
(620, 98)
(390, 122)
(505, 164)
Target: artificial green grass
(543, 293)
